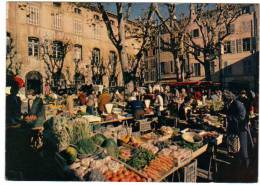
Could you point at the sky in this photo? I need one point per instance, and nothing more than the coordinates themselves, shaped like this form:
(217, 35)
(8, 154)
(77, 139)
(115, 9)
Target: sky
(139, 8)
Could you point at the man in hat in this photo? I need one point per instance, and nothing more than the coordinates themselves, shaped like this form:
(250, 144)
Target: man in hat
(103, 99)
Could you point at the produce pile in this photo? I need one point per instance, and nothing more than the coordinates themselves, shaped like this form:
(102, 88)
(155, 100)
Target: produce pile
(61, 131)
(140, 158)
(215, 121)
(158, 167)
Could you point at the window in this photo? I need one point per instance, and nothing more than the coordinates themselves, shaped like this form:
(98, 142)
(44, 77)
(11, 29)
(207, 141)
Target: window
(197, 69)
(78, 51)
(153, 62)
(248, 67)
(239, 46)
(245, 9)
(227, 69)
(112, 60)
(146, 76)
(77, 10)
(96, 17)
(57, 50)
(212, 67)
(57, 21)
(246, 44)
(96, 31)
(57, 4)
(162, 68)
(33, 47)
(96, 57)
(195, 33)
(78, 27)
(33, 15)
(172, 66)
(227, 47)
(154, 52)
(231, 29)
(233, 46)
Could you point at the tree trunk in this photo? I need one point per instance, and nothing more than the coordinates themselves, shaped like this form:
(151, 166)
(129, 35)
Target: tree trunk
(182, 70)
(176, 67)
(207, 70)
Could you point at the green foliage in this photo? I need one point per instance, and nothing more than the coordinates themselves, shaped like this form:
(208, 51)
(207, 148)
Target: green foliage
(141, 157)
(99, 139)
(86, 146)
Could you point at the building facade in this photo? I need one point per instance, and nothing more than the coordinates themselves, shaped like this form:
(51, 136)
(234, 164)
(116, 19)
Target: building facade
(30, 24)
(240, 55)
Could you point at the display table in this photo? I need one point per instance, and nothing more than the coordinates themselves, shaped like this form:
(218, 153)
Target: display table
(195, 155)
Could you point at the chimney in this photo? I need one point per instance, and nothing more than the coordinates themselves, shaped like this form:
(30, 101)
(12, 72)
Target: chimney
(192, 12)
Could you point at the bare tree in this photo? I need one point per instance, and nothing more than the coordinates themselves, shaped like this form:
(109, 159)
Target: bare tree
(53, 54)
(176, 29)
(13, 65)
(214, 27)
(119, 40)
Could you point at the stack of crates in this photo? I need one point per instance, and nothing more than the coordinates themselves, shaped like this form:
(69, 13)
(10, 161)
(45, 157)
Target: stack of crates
(189, 172)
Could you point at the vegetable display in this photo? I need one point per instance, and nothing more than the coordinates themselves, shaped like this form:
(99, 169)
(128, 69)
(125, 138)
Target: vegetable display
(70, 154)
(99, 139)
(110, 147)
(86, 146)
(123, 175)
(159, 167)
(140, 158)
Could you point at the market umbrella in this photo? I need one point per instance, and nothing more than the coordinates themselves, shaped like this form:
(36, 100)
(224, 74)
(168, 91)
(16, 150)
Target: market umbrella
(19, 81)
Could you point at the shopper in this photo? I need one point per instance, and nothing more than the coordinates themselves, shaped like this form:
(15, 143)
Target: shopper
(13, 106)
(36, 107)
(237, 127)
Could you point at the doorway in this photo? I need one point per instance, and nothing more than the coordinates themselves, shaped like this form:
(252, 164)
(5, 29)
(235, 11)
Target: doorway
(34, 81)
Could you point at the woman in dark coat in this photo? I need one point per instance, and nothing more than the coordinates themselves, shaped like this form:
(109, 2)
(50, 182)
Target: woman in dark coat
(36, 107)
(237, 124)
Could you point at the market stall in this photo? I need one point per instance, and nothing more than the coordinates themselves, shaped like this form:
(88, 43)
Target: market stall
(119, 154)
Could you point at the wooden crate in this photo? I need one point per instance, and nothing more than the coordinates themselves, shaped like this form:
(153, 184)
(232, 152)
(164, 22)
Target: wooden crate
(144, 126)
(189, 172)
(183, 159)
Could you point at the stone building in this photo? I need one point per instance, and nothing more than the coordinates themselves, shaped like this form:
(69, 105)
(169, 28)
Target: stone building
(240, 55)
(30, 24)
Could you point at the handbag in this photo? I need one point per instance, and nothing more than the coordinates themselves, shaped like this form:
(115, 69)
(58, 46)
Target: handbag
(233, 143)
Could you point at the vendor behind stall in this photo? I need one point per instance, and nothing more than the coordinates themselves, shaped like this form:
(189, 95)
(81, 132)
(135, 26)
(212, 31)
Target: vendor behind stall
(13, 106)
(158, 104)
(69, 102)
(103, 99)
(36, 107)
(136, 107)
(185, 108)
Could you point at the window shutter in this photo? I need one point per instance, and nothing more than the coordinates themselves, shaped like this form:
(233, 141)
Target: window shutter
(233, 46)
(239, 46)
(167, 67)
